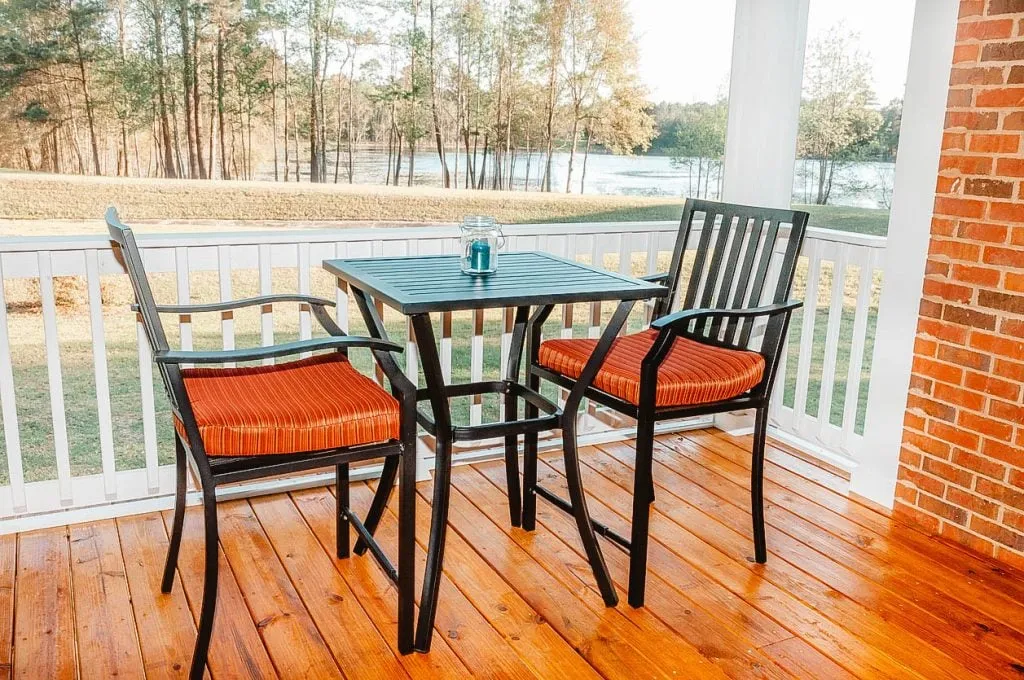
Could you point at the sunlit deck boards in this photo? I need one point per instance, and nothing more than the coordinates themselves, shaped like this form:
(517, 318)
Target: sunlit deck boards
(847, 591)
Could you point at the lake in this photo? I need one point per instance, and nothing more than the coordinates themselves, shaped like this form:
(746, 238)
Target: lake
(863, 185)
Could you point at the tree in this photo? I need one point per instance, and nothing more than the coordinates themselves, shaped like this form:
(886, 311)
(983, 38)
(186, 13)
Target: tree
(835, 121)
(700, 139)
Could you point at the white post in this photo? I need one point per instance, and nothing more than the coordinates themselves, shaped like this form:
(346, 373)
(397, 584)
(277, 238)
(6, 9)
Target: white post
(917, 165)
(764, 112)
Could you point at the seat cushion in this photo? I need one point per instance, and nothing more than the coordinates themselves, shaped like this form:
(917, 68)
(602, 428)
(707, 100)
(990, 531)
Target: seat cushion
(692, 373)
(296, 407)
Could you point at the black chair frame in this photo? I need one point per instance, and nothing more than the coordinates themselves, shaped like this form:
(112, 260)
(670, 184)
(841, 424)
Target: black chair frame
(398, 455)
(722, 300)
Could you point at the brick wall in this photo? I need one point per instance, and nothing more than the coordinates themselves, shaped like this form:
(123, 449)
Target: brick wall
(962, 461)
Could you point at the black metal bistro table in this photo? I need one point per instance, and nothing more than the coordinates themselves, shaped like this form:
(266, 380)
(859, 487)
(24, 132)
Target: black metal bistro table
(417, 286)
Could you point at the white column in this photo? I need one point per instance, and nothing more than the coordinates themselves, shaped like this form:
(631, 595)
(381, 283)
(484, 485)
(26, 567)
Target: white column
(764, 112)
(917, 165)
(764, 101)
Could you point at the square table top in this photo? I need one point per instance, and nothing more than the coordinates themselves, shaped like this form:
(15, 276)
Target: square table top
(435, 283)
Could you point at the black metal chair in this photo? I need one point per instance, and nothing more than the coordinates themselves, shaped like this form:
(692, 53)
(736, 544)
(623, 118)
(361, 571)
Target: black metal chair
(252, 422)
(696, 361)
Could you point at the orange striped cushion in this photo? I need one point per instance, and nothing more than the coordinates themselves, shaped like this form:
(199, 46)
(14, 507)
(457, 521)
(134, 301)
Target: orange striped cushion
(300, 406)
(692, 373)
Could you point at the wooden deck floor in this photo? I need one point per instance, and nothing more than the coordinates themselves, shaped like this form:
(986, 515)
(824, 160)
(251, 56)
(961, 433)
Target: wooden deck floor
(847, 592)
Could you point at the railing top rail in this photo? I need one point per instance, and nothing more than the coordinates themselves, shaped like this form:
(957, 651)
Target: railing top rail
(15, 244)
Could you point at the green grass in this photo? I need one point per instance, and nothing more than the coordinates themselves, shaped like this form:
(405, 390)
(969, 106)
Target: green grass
(873, 221)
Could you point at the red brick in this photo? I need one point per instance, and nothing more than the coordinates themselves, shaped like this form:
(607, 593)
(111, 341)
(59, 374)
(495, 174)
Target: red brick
(959, 207)
(950, 332)
(975, 543)
(922, 385)
(993, 188)
(992, 143)
(1013, 413)
(982, 276)
(1009, 370)
(1017, 233)
(936, 268)
(1004, 554)
(964, 357)
(913, 422)
(1006, 212)
(1008, 453)
(949, 292)
(947, 185)
(915, 516)
(1005, 167)
(937, 370)
(931, 407)
(1013, 327)
(1017, 479)
(922, 481)
(984, 30)
(929, 445)
(1014, 120)
(955, 250)
(953, 435)
(959, 98)
(957, 396)
(963, 54)
(943, 509)
(985, 426)
(996, 98)
(1004, 7)
(954, 141)
(972, 120)
(996, 345)
(971, 8)
(979, 464)
(969, 501)
(930, 309)
(1001, 493)
(1014, 282)
(1014, 520)
(968, 165)
(1001, 256)
(992, 386)
(924, 347)
(990, 75)
(906, 492)
(1006, 302)
(997, 533)
(1007, 51)
(942, 226)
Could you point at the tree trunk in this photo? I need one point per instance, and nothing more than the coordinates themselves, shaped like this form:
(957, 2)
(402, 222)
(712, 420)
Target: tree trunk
(187, 75)
(89, 114)
(351, 111)
(586, 155)
(572, 150)
(314, 105)
(161, 73)
(445, 176)
(197, 119)
(273, 108)
(224, 172)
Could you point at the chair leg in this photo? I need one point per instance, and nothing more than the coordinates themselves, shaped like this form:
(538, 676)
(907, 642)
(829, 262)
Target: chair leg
(515, 495)
(578, 499)
(171, 564)
(407, 553)
(529, 512)
(341, 509)
(209, 586)
(643, 496)
(435, 545)
(757, 486)
(380, 499)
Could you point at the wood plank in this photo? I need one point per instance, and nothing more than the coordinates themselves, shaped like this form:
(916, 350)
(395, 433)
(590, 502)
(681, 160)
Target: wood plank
(539, 645)
(342, 622)
(735, 654)
(849, 625)
(644, 633)
(236, 649)
(477, 644)
(44, 625)
(897, 593)
(376, 593)
(104, 624)
(288, 631)
(166, 631)
(996, 589)
(8, 581)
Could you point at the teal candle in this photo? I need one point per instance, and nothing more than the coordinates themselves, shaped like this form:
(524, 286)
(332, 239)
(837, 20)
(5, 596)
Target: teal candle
(480, 255)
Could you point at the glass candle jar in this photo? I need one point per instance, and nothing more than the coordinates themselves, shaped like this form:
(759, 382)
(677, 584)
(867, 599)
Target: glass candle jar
(481, 239)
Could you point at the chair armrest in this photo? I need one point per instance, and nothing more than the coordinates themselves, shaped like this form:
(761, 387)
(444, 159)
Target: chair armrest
(680, 319)
(239, 304)
(661, 277)
(284, 349)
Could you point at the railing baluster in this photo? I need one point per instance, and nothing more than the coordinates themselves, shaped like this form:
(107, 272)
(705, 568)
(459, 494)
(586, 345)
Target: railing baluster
(810, 308)
(55, 378)
(835, 318)
(227, 323)
(867, 263)
(476, 365)
(597, 260)
(305, 322)
(341, 291)
(99, 362)
(9, 402)
(266, 273)
(181, 271)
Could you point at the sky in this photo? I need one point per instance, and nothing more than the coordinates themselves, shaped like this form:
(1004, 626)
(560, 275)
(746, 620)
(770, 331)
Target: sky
(685, 45)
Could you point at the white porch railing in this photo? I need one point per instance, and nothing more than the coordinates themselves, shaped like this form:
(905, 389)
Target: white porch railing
(99, 385)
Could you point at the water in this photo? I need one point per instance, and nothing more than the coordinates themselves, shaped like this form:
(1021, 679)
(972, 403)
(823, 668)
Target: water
(864, 185)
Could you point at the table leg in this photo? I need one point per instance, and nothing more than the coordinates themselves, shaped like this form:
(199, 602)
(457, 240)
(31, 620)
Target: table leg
(515, 355)
(573, 476)
(529, 514)
(442, 479)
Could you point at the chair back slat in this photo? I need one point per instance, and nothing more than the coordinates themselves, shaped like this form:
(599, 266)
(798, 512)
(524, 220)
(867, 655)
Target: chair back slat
(732, 263)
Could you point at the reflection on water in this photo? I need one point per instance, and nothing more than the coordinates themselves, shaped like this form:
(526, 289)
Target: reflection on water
(864, 185)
